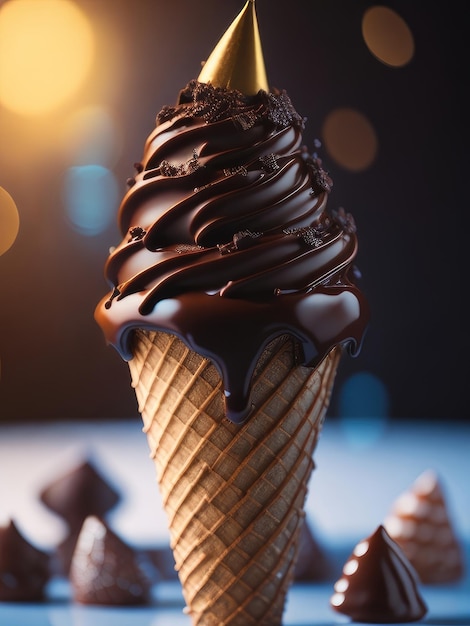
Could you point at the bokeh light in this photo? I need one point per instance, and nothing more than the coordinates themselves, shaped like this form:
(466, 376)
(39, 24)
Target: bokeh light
(350, 139)
(91, 198)
(9, 221)
(46, 51)
(91, 135)
(364, 395)
(387, 36)
(364, 409)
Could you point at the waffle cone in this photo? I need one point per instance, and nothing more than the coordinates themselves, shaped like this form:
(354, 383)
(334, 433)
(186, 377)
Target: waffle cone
(233, 494)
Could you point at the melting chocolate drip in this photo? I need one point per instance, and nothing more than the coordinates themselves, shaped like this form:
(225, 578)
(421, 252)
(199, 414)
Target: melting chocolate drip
(226, 234)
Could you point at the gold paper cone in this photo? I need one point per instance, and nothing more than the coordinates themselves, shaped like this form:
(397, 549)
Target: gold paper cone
(237, 60)
(233, 494)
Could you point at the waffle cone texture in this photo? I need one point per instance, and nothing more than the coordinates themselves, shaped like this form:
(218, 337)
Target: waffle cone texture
(233, 494)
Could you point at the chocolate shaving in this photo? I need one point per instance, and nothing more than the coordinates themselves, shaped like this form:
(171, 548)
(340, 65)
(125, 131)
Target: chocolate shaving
(310, 235)
(346, 220)
(214, 104)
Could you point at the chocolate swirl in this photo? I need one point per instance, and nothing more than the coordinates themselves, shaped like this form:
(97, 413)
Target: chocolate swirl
(227, 241)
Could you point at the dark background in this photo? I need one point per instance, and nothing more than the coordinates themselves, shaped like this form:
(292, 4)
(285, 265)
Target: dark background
(410, 205)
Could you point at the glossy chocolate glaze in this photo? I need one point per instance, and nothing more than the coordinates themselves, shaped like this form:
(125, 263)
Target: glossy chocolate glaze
(379, 585)
(24, 570)
(227, 242)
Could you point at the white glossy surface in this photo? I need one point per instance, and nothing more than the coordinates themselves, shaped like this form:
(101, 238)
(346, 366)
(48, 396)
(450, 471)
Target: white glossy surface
(308, 605)
(361, 469)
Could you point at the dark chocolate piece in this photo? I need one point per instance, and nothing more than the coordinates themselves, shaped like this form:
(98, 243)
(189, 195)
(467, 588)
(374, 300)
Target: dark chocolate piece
(74, 496)
(420, 523)
(105, 569)
(24, 569)
(312, 562)
(379, 585)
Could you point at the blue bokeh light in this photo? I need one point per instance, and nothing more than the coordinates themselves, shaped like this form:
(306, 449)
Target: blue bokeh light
(91, 198)
(364, 408)
(92, 135)
(363, 395)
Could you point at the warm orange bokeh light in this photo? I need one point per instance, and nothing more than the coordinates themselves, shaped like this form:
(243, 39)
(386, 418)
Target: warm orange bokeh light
(350, 139)
(9, 221)
(46, 51)
(387, 36)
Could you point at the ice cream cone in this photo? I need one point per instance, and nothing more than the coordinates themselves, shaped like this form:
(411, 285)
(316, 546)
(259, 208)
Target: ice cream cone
(228, 253)
(234, 494)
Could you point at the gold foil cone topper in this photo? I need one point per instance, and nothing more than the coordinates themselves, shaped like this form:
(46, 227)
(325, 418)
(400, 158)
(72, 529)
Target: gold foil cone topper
(237, 60)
